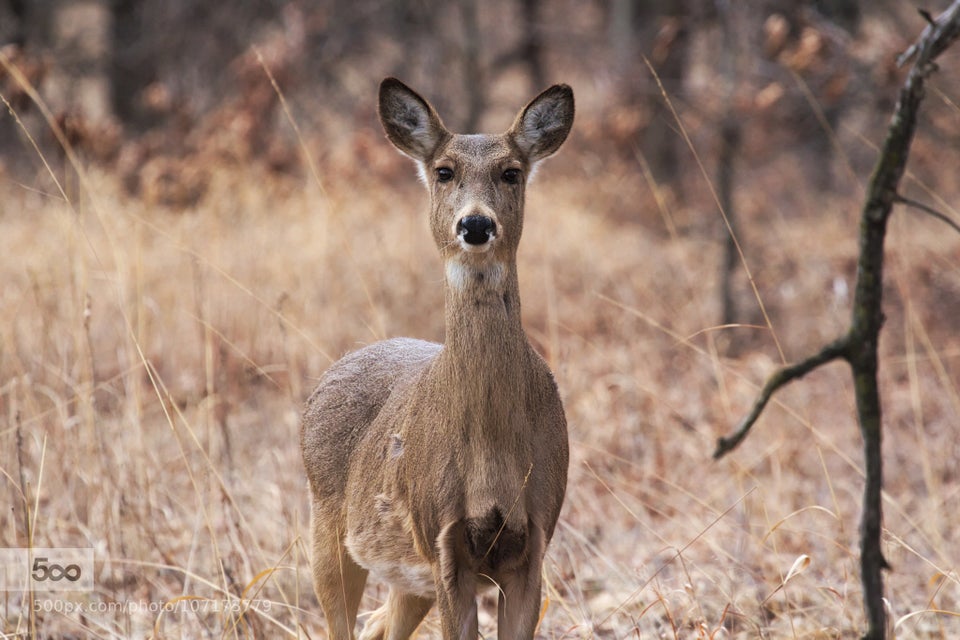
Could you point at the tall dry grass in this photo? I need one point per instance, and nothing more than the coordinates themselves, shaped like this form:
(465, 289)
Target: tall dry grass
(153, 363)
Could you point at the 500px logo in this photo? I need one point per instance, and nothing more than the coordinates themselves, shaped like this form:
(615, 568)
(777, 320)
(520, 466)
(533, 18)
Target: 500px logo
(42, 571)
(46, 569)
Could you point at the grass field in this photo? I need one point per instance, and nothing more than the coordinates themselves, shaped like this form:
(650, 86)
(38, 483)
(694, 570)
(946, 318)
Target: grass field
(153, 364)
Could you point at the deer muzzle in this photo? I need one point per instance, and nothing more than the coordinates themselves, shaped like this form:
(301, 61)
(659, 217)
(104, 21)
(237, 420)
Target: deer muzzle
(476, 231)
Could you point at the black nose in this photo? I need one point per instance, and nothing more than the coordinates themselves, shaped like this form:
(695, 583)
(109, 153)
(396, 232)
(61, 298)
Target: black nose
(476, 230)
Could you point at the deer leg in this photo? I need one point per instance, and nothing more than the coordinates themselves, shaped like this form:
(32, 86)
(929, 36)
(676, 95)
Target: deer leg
(456, 585)
(518, 607)
(398, 618)
(337, 579)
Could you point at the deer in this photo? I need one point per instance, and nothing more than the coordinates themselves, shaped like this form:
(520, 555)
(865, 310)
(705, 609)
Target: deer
(441, 469)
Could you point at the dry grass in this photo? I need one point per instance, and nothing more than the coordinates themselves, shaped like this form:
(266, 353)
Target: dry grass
(152, 366)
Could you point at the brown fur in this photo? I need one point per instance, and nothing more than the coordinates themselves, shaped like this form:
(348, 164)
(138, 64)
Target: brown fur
(442, 469)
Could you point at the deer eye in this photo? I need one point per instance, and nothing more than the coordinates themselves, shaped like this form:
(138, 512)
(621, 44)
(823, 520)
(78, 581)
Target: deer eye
(511, 176)
(444, 174)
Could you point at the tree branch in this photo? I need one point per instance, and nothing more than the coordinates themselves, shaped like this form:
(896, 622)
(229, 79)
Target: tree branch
(785, 375)
(935, 39)
(929, 211)
(859, 346)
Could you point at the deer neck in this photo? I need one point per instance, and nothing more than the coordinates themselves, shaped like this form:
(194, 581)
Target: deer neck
(486, 351)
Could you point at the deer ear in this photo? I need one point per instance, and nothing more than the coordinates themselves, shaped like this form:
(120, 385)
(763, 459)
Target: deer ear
(412, 125)
(543, 124)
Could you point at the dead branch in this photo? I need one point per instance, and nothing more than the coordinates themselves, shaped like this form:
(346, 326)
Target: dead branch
(859, 346)
(930, 211)
(782, 377)
(938, 35)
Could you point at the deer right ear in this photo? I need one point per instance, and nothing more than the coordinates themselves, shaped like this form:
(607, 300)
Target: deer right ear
(412, 125)
(543, 124)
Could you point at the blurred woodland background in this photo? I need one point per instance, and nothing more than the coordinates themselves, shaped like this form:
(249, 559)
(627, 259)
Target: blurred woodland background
(199, 212)
(137, 81)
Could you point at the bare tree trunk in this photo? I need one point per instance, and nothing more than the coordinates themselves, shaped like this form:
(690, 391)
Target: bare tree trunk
(622, 35)
(726, 163)
(859, 346)
(18, 36)
(659, 142)
(134, 68)
(659, 29)
(531, 49)
(730, 137)
(472, 73)
(80, 34)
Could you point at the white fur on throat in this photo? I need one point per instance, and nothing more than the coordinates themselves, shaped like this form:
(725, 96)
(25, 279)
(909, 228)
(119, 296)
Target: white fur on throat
(460, 275)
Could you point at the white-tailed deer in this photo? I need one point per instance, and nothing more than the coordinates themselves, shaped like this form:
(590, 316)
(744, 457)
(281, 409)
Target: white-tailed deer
(441, 469)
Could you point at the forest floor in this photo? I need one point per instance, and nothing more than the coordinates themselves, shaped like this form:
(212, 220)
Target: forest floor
(153, 364)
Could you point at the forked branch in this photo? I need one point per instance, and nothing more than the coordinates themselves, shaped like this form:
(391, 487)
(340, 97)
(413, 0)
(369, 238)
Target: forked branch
(834, 350)
(935, 39)
(859, 346)
(882, 194)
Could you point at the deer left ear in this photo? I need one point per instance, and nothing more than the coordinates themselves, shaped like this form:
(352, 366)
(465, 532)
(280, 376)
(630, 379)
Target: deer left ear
(543, 125)
(411, 124)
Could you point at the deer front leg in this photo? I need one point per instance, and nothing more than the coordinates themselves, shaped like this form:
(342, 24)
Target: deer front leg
(518, 608)
(456, 585)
